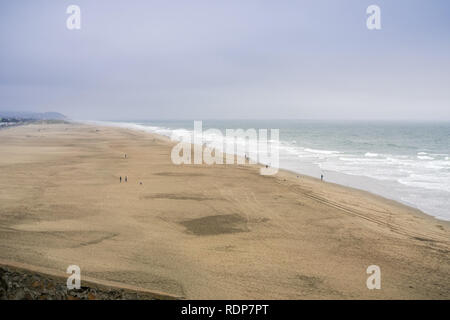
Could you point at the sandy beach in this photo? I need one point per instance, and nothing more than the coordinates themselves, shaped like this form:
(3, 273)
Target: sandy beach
(201, 231)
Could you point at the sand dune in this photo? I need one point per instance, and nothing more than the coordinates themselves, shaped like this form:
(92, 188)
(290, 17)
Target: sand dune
(199, 231)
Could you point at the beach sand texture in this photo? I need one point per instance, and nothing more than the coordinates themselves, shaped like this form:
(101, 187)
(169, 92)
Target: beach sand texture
(204, 232)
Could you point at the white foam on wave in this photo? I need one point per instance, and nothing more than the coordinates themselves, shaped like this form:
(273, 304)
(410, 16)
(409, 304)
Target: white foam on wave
(362, 160)
(370, 154)
(427, 181)
(425, 172)
(327, 152)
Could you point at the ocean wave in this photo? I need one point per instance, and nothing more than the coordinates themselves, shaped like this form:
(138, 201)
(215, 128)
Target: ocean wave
(427, 181)
(326, 152)
(370, 154)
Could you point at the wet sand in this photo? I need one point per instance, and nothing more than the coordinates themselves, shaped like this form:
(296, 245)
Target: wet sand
(199, 231)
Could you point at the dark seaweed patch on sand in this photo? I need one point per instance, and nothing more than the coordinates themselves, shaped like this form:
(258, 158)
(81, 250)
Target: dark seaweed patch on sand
(174, 196)
(218, 224)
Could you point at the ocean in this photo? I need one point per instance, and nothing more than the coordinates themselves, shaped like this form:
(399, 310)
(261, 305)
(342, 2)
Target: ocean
(403, 161)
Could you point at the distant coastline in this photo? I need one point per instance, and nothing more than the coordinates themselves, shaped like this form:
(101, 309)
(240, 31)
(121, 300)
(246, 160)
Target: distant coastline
(12, 118)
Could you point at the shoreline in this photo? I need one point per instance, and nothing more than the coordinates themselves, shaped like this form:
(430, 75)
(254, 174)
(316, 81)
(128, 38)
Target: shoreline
(200, 232)
(411, 206)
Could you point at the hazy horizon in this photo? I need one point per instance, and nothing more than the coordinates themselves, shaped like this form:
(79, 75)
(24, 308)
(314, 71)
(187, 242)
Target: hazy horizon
(309, 60)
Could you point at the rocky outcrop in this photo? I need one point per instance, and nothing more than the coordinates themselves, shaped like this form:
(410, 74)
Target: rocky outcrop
(19, 284)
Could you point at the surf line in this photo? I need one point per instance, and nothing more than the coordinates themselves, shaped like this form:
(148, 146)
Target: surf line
(193, 310)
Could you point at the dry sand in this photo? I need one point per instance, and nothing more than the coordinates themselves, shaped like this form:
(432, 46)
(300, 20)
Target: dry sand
(199, 231)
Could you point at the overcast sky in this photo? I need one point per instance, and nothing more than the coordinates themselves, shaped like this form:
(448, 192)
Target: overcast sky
(227, 59)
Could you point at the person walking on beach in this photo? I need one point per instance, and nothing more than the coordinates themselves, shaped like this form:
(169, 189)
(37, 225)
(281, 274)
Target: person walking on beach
(126, 178)
(321, 177)
(120, 179)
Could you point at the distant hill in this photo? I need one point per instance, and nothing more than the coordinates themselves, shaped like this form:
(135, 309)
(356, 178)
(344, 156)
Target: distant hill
(33, 115)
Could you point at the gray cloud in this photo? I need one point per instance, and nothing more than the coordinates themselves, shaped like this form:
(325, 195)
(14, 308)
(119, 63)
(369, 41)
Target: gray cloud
(227, 59)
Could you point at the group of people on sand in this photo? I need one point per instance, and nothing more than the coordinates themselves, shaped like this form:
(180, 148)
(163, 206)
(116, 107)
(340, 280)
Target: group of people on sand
(126, 177)
(246, 158)
(126, 180)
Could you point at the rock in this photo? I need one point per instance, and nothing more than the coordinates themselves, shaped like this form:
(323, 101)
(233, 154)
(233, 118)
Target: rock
(19, 294)
(21, 284)
(3, 284)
